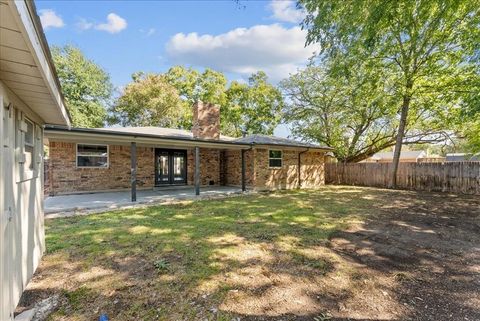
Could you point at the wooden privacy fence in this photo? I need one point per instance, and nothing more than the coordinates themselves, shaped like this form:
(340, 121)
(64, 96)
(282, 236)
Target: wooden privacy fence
(458, 177)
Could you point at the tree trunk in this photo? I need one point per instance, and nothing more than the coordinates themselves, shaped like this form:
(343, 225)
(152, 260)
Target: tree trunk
(399, 141)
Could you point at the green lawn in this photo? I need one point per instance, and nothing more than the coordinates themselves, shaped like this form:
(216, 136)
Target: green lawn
(252, 257)
(190, 251)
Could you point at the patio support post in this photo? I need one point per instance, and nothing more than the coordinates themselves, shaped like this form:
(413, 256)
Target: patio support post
(243, 171)
(133, 170)
(197, 170)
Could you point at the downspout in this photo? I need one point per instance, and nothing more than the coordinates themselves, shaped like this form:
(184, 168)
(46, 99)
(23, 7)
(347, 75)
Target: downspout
(298, 167)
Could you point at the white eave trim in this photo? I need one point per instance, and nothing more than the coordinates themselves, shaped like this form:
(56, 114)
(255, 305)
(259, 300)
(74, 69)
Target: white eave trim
(25, 23)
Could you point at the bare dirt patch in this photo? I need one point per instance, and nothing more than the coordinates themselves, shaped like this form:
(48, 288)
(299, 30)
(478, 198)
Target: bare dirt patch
(340, 253)
(429, 244)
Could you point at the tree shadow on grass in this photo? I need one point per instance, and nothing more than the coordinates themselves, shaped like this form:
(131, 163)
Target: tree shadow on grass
(428, 242)
(287, 255)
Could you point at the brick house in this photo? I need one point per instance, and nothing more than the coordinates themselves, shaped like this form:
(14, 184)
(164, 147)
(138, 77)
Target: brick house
(106, 159)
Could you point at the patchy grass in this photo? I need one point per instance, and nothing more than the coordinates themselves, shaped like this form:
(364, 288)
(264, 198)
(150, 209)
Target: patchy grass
(252, 257)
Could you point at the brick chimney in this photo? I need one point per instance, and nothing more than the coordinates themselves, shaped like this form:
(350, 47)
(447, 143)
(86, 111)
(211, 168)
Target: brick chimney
(206, 120)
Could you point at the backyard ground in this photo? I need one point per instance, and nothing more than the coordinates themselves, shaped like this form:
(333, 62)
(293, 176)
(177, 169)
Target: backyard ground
(339, 253)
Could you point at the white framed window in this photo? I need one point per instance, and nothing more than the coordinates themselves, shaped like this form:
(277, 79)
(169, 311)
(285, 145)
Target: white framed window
(92, 156)
(28, 139)
(29, 145)
(275, 158)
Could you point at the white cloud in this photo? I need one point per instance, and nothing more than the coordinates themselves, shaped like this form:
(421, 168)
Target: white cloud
(50, 19)
(285, 10)
(114, 24)
(274, 49)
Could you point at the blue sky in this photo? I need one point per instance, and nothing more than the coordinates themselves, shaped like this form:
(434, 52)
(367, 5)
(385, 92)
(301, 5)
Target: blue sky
(128, 36)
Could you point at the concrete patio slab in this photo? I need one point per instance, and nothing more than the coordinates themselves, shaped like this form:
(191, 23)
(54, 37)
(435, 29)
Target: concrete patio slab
(67, 205)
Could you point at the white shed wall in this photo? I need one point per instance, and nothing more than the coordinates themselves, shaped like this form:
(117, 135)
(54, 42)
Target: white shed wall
(22, 240)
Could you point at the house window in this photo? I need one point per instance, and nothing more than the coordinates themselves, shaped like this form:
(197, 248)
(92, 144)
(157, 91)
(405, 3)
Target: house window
(29, 145)
(275, 158)
(92, 155)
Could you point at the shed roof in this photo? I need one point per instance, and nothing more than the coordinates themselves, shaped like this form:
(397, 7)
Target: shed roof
(26, 67)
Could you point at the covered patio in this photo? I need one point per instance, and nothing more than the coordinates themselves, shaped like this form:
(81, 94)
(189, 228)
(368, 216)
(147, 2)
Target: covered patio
(146, 165)
(63, 204)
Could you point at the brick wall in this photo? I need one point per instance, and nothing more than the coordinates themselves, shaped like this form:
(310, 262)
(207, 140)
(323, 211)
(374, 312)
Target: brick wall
(312, 169)
(233, 168)
(67, 178)
(206, 120)
(46, 177)
(286, 177)
(260, 176)
(209, 166)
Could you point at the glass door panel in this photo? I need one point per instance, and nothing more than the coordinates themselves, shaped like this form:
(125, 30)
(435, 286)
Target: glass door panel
(179, 168)
(171, 167)
(163, 168)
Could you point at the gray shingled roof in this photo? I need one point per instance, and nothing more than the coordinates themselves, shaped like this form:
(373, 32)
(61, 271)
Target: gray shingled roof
(258, 139)
(158, 131)
(180, 134)
(462, 157)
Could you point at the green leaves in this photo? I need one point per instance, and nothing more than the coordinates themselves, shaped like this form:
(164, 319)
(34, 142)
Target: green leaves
(255, 107)
(150, 100)
(428, 52)
(347, 111)
(209, 86)
(85, 85)
(165, 100)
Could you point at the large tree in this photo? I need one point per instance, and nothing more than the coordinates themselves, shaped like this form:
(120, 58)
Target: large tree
(192, 85)
(427, 47)
(252, 108)
(85, 85)
(166, 100)
(349, 111)
(469, 120)
(150, 100)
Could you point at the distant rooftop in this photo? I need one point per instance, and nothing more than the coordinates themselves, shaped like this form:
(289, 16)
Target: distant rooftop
(462, 157)
(403, 155)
